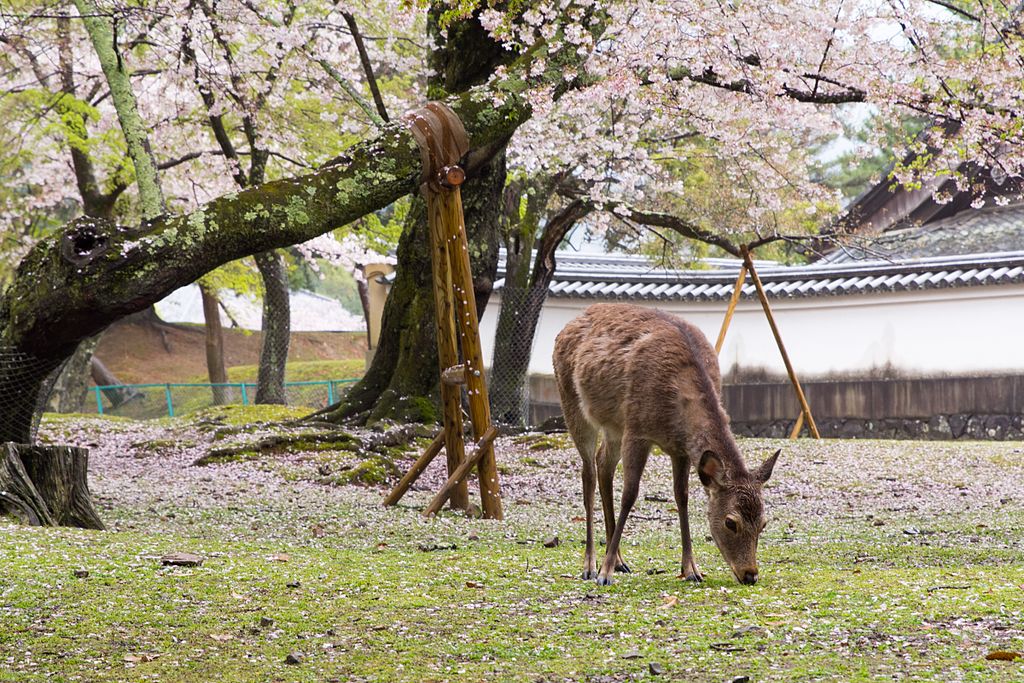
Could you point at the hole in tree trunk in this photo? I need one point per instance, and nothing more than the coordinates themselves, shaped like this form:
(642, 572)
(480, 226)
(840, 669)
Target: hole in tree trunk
(85, 240)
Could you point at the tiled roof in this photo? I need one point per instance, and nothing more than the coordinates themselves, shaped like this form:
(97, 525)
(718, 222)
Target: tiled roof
(634, 278)
(972, 231)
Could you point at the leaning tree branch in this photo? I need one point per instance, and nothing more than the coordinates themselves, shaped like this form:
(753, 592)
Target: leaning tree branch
(178, 161)
(844, 94)
(364, 59)
(955, 9)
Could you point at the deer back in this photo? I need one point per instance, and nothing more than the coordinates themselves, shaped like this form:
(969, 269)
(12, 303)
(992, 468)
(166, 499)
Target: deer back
(641, 368)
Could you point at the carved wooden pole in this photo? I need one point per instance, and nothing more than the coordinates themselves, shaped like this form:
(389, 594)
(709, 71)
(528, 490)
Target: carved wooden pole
(447, 346)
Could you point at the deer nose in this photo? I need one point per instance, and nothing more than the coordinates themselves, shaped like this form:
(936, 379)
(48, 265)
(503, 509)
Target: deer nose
(750, 577)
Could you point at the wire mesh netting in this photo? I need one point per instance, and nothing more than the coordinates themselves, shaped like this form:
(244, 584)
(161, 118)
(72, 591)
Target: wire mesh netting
(25, 383)
(509, 379)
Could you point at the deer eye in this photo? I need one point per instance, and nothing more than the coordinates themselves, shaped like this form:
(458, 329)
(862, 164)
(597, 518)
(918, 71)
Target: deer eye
(731, 525)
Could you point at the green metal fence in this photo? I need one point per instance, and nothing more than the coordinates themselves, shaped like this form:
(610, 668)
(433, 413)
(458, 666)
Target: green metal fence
(144, 401)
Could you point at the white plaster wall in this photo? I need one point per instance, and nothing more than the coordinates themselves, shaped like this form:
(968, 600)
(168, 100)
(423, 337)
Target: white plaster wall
(972, 330)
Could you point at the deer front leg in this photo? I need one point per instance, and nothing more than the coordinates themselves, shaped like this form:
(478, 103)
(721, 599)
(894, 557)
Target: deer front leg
(634, 459)
(589, 477)
(680, 486)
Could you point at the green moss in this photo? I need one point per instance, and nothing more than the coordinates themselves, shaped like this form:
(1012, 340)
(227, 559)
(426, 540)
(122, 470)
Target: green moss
(373, 471)
(417, 409)
(239, 416)
(227, 455)
(544, 442)
(295, 211)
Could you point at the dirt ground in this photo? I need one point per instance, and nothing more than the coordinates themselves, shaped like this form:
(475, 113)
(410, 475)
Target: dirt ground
(138, 352)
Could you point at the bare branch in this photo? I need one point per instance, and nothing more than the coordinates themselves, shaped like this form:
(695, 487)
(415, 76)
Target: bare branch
(171, 163)
(954, 9)
(364, 59)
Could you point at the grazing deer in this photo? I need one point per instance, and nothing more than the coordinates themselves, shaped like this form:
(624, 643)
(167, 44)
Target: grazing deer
(641, 377)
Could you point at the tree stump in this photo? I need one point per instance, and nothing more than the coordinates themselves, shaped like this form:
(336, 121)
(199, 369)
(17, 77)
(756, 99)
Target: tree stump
(47, 485)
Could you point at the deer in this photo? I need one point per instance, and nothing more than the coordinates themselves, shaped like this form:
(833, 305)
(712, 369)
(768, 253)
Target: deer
(638, 377)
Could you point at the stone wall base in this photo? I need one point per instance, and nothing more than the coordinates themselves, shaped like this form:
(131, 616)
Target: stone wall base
(937, 428)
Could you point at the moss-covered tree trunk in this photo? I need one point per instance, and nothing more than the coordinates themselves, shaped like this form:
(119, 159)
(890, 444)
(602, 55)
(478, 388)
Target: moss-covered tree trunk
(402, 381)
(277, 328)
(69, 391)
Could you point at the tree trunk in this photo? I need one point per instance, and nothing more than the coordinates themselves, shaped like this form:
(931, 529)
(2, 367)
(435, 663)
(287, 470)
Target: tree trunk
(507, 391)
(214, 346)
(402, 381)
(276, 328)
(47, 485)
(518, 318)
(513, 348)
(102, 34)
(72, 386)
(115, 392)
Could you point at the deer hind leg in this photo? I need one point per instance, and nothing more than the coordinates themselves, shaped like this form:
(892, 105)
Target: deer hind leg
(589, 480)
(634, 459)
(680, 485)
(608, 456)
(584, 435)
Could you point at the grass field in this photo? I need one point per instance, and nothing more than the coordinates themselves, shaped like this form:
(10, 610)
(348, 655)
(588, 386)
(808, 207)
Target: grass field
(882, 560)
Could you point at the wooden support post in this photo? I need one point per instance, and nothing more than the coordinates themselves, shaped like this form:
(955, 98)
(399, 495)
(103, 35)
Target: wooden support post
(416, 470)
(736, 292)
(485, 445)
(447, 345)
(469, 336)
(806, 409)
(797, 426)
(443, 142)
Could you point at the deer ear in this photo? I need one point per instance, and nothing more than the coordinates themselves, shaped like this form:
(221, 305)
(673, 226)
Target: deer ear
(710, 470)
(764, 472)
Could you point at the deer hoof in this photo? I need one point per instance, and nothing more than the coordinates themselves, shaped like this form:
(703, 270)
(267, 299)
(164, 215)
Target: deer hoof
(604, 580)
(623, 568)
(694, 576)
(589, 574)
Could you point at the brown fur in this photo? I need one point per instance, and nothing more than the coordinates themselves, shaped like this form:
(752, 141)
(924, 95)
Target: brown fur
(639, 377)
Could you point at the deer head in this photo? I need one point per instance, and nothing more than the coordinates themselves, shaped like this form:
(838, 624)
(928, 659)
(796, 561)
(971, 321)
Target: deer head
(736, 511)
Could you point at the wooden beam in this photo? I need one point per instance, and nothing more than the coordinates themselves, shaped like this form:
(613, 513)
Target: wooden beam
(778, 340)
(733, 300)
(469, 337)
(416, 470)
(447, 345)
(484, 446)
(797, 426)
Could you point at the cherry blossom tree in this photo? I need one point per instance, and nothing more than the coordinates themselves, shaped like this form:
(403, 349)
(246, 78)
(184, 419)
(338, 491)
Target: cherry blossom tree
(196, 75)
(753, 82)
